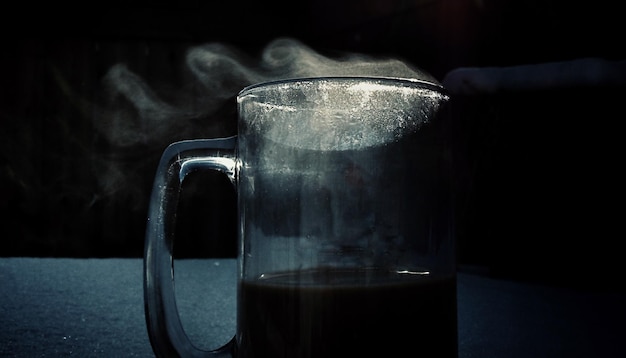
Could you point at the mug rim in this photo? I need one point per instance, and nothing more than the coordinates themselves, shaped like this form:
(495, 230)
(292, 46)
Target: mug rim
(406, 81)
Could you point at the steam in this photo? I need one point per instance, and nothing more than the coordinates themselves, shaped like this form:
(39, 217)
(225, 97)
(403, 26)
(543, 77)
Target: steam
(125, 128)
(138, 122)
(220, 68)
(218, 73)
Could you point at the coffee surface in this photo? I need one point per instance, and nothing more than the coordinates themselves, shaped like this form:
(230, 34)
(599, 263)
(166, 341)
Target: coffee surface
(339, 313)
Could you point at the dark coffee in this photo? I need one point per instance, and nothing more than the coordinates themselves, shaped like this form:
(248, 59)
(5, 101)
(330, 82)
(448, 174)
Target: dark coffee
(340, 313)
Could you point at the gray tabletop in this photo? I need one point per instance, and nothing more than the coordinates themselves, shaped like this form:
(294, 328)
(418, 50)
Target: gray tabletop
(94, 307)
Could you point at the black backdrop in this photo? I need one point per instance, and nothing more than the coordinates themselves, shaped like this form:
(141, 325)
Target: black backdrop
(536, 170)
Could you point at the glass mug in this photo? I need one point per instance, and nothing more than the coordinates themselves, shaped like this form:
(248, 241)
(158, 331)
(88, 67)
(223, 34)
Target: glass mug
(345, 222)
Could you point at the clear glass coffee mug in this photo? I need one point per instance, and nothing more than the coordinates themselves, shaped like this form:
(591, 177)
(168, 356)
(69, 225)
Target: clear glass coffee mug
(346, 237)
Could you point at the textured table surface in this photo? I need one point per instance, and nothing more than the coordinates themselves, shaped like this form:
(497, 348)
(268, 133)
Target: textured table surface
(94, 307)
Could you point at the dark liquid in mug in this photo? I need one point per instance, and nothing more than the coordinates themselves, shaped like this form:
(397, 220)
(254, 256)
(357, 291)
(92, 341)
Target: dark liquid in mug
(340, 313)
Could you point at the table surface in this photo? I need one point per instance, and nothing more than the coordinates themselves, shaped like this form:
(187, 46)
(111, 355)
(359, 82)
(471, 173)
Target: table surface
(94, 307)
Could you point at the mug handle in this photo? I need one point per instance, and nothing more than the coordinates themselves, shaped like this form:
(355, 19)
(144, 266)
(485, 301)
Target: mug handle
(167, 336)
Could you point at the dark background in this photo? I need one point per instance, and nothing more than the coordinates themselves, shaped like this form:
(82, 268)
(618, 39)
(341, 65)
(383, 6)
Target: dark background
(538, 182)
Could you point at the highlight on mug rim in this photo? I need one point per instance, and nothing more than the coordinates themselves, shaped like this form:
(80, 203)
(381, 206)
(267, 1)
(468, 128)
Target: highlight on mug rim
(398, 81)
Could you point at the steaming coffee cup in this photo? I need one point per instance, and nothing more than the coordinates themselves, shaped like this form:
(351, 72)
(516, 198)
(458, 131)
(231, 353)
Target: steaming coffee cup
(346, 241)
